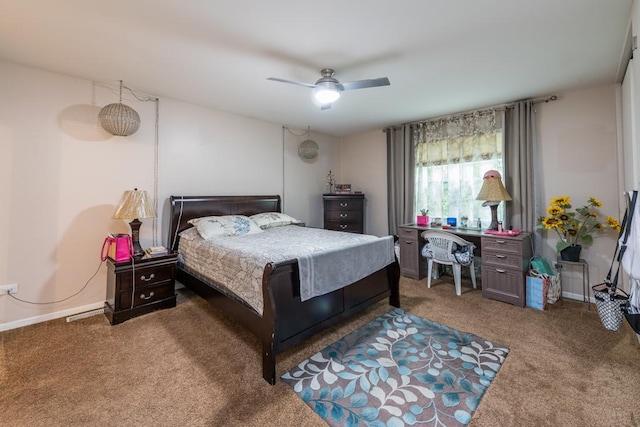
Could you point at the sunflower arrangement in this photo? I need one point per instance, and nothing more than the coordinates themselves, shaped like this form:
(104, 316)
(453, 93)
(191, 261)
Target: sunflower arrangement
(575, 227)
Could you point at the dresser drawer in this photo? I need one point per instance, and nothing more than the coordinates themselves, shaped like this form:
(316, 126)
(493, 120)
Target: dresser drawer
(343, 216)
(147, 294)
(502, 259)
(505, 285)
(145, 276)
(408, 233)
(352, 227)
(502, 245)
(344, 205)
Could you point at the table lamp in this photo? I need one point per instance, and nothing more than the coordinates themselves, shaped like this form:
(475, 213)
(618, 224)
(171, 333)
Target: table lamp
(493, 192)
(134, 205)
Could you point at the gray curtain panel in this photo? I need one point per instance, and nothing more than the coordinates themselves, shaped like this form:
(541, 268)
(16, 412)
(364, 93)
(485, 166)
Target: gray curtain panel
(521, 162)
(400, 176)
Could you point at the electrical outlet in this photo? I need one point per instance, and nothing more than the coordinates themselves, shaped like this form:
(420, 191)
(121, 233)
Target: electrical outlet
(9, 289)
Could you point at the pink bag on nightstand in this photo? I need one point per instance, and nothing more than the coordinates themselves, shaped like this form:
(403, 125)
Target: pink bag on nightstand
(118, 247)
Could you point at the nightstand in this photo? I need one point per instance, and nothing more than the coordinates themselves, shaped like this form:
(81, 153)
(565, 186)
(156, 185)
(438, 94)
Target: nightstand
(139, 287)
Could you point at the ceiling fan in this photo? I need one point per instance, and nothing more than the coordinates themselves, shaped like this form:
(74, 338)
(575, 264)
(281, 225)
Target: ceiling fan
(327, 89)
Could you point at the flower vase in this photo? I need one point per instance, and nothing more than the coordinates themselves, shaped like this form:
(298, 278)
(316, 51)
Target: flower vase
(571, 253)
(422, 219)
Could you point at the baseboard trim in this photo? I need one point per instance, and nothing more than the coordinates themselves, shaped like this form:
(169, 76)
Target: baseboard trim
(50, 316)
(577, 297)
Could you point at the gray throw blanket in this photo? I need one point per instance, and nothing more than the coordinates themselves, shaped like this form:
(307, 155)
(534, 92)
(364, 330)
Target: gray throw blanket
(324, 272)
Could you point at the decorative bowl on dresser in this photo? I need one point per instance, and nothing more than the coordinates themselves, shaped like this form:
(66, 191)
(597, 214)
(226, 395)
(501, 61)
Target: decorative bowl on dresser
(140, 287)
(344, 212)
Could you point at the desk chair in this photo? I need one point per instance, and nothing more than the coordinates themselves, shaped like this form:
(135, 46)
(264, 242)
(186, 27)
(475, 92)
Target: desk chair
(448, 249)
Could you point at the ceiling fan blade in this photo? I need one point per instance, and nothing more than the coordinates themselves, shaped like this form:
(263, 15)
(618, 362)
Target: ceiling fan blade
(360, 84)
(276, 79)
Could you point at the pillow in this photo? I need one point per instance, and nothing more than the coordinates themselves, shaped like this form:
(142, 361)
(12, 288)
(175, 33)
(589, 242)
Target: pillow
(190, 234)
(226, 225)
(273, 219)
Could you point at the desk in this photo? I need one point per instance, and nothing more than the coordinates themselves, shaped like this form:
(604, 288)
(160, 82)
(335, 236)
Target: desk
(504, 260)
(560, 264)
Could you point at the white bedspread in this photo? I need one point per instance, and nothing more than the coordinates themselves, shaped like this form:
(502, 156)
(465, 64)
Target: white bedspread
(238, 261)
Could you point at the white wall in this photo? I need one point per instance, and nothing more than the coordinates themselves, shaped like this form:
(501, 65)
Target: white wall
(578, 142)
(364, 166)
(577, 135)
(61, 177)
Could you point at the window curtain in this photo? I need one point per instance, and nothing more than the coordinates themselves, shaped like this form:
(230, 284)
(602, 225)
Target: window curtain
(452, 155)
(400, 176)
(521, 154)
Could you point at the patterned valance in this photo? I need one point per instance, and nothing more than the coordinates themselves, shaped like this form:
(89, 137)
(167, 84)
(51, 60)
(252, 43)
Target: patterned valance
(460, 138)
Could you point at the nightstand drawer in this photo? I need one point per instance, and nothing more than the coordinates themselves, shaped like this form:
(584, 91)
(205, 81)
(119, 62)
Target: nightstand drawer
(145, 276)
(147, 294)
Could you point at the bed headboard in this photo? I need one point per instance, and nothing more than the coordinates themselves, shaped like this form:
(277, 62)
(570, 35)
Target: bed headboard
(184, 208)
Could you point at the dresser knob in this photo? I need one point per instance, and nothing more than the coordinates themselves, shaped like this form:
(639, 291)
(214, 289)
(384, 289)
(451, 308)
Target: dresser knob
(146, 297)
(344, 215)
(344, 204)
(343, 226)
(146, 279)
(500, 256)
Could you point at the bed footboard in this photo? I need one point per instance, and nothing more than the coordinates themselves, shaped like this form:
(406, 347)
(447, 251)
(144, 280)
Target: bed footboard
(289, 321)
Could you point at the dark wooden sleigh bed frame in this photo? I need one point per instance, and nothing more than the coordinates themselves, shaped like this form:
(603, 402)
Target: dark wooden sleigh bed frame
(286, 320)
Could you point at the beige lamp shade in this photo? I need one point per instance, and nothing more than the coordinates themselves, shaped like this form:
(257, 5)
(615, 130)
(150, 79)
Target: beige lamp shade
(492, 189)
(134, 204)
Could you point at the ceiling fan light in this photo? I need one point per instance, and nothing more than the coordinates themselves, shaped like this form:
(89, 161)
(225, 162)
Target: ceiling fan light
(326, 93)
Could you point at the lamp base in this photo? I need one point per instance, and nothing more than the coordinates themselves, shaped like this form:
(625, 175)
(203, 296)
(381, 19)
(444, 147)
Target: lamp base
(494, 214)
(135, 237)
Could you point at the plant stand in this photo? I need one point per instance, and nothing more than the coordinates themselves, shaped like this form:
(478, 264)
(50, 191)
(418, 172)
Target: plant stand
(561, 263)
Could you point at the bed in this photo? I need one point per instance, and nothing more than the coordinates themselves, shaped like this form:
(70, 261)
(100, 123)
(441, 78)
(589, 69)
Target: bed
(285, 319)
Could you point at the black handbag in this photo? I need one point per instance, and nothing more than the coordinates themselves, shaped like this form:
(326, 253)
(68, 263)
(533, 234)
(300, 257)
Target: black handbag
(611, 302)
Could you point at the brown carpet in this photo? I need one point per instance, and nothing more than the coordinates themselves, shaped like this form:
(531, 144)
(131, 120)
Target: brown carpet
(192, 366)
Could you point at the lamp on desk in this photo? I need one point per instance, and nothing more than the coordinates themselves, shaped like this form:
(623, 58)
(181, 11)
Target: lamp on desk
(134, 205)
(493, 192)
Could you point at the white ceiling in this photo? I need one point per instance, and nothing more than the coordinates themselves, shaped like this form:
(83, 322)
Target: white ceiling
(441, 56)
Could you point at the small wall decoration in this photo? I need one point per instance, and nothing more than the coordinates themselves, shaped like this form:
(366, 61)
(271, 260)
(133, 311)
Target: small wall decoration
(343, 189)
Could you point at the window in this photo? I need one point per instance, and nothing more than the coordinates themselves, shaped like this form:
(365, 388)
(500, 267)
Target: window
(452, 155)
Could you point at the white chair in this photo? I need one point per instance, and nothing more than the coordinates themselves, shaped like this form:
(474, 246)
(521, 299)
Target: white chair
(440, 249)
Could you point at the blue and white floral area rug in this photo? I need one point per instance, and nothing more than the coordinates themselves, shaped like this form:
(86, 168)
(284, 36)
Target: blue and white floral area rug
(398, 370)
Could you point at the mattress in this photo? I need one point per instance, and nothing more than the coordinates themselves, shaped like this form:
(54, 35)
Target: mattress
(238, 262)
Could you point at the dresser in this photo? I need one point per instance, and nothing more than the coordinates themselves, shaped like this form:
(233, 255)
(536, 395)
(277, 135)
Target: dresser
(344, 212)
(412, 264)
(140, 287)
(504, 260)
